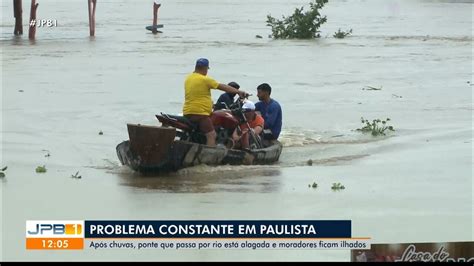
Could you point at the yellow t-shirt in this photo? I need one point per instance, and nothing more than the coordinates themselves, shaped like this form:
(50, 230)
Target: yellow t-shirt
(197, 94)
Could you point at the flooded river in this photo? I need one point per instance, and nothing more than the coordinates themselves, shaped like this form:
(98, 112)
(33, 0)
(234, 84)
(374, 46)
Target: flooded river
(413, 185)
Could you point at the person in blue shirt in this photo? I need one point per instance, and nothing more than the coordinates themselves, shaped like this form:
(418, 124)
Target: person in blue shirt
(270, 110)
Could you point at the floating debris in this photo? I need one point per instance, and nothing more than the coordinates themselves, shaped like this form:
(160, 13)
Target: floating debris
(2, 174)
(47, 153)
(314, 185)
(101, 133)
(258, 36)
(76, 175)
(396, 96)
(337, 186)
(370, 88)
(20, 90)
(309, 162)
(41, 169)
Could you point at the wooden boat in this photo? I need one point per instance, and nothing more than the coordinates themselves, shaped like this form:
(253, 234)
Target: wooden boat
(155, 149)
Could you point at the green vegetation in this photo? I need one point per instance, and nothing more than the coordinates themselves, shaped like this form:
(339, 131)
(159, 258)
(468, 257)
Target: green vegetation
(300, 25)
(376, 128)
(41, 169)
(309, 162)
(337, 186)
(342, 34)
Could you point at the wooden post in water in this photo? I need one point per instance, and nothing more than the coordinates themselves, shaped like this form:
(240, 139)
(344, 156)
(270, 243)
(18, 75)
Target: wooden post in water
(91, 5)
(32, 30)
(156, 6)
(17, 12)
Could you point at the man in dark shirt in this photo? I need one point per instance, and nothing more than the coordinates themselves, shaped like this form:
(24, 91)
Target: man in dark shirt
(227, 98)
(270, 110)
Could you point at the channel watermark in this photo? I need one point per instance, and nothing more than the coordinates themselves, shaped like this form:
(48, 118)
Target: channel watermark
(43, 23)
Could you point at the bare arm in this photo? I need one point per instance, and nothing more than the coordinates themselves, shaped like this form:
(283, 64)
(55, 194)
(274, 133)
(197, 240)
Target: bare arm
(235, 135)
(258, 130)
(229, 89)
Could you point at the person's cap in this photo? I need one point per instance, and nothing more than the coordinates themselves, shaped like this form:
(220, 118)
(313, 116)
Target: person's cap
(248, 106)
(234, 84)
(202, 62)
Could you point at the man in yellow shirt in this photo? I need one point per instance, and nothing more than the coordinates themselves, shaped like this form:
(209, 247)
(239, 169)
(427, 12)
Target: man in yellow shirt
(197, 98)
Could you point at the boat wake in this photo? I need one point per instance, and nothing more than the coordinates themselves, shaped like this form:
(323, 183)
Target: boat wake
(109, 165)
(243, 170)
(335, 160)
(300, 138)
(304, 148)
(266, 170)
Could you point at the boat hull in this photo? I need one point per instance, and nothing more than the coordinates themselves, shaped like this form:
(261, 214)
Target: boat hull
(153, 149)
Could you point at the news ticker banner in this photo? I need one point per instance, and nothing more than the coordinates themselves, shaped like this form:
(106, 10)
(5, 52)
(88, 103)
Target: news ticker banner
(188, 234)
(415, 252)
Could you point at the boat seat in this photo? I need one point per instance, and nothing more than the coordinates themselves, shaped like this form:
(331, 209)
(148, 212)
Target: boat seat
(182, 119)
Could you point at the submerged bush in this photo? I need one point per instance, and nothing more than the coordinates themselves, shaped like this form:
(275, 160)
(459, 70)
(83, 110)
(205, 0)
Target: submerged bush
(376, 128)
(342, 34)
(300, 25)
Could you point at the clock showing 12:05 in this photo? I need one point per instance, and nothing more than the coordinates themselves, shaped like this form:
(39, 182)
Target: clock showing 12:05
(55, 243)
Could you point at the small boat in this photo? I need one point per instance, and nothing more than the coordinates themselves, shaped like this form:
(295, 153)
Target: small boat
(156, 149)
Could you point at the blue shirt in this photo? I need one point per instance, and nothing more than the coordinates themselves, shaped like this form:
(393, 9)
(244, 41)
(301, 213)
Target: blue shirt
(272, 115)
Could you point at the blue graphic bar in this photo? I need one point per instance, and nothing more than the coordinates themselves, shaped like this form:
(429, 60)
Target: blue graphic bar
(219, 229)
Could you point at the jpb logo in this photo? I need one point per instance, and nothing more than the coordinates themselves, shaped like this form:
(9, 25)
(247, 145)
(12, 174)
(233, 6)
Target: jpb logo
(54, 228)
(57, 229)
